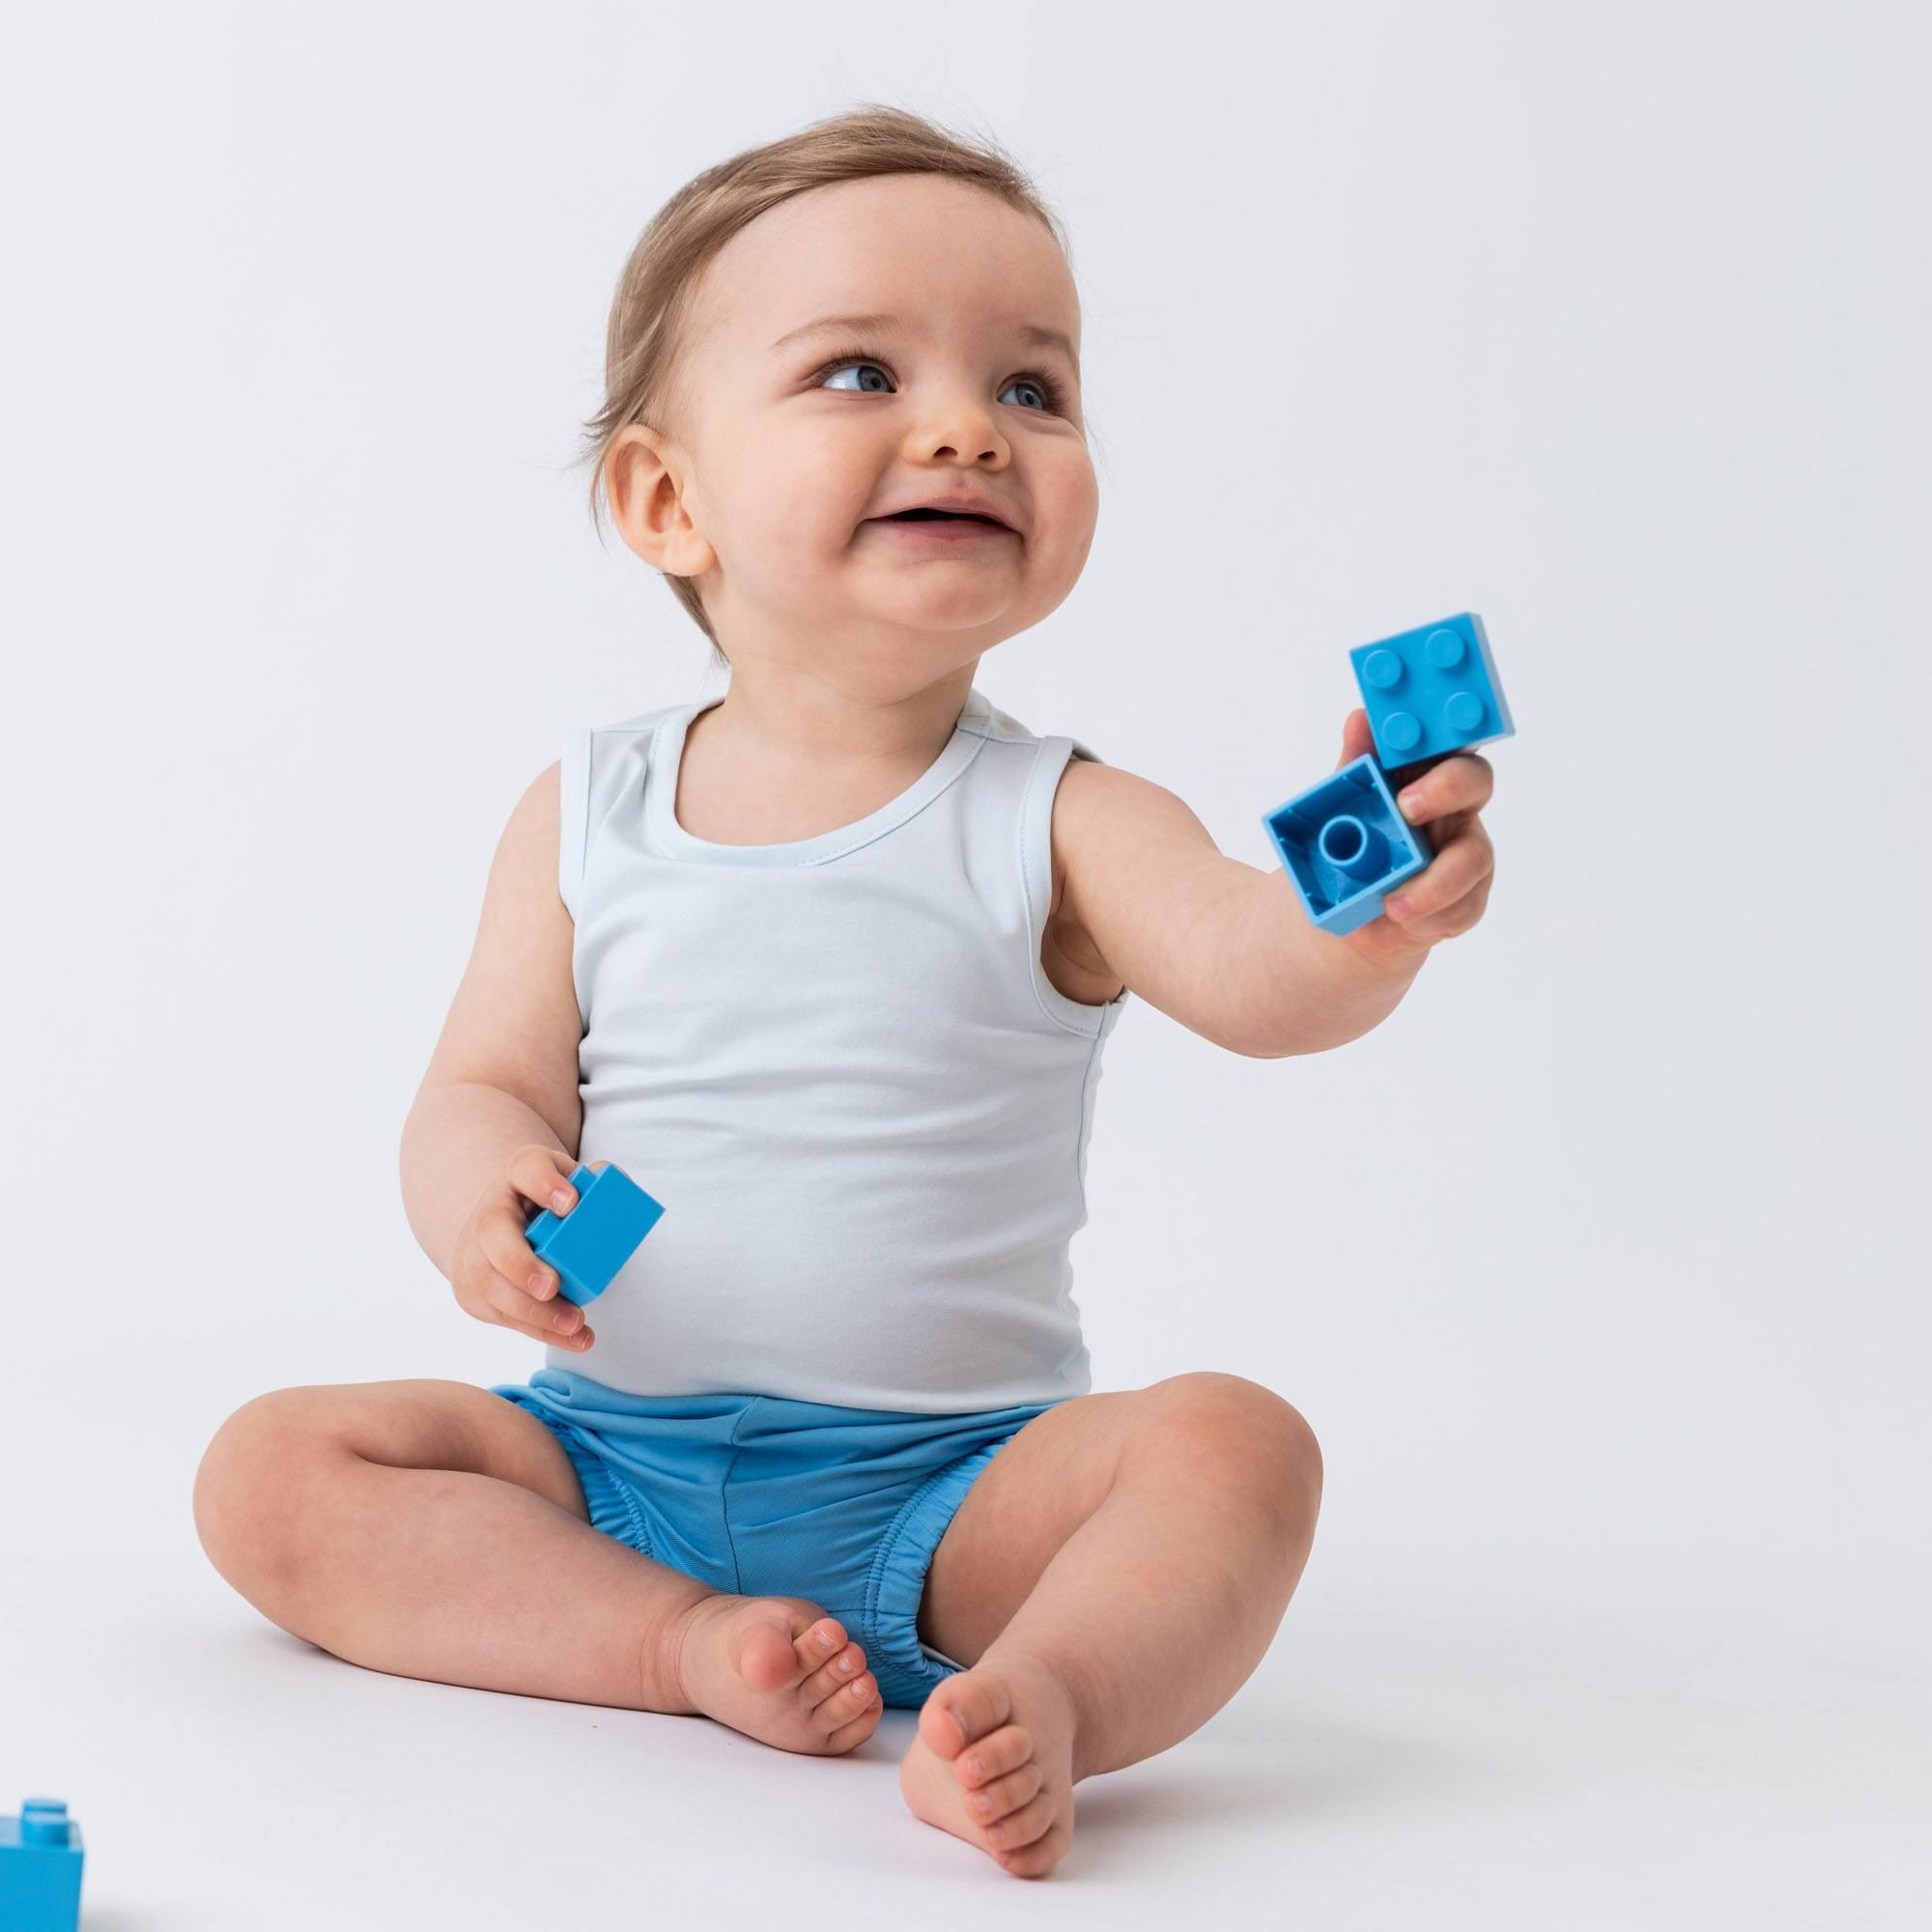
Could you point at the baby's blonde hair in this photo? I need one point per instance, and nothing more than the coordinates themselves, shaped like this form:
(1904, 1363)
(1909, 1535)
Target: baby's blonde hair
(656, 290)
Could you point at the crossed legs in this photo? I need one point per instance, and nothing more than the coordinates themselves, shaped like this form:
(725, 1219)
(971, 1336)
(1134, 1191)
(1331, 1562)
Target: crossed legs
(1112, 1576)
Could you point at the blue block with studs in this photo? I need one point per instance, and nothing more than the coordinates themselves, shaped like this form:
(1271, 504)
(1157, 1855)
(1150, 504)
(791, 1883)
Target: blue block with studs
(1346, 846)
(590, 1242)
(39, 1868)
(1432, 691)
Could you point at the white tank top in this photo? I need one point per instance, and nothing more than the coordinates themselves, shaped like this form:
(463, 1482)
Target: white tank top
(839, 1065)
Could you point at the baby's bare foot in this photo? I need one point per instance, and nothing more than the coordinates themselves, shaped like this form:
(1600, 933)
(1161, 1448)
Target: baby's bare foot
(779, 1670)
(992, 1763)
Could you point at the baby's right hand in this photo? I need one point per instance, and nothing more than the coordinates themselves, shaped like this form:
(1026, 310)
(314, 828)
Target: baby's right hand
(496, 1273)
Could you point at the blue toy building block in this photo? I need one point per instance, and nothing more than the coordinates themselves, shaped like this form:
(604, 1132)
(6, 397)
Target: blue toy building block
(1432, 691)
(39, 1868)
(588, 1243)
(1344, 845)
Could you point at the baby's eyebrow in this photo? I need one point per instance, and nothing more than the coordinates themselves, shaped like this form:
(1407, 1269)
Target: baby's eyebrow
(1030, 332)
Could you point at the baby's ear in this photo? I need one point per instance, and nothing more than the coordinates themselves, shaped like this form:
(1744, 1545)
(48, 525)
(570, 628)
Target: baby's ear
(643, 486)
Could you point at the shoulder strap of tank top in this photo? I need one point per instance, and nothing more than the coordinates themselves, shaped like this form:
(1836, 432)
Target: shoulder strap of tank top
(597, 761)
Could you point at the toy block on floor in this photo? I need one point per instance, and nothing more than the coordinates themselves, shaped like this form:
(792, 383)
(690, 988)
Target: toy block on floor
(39, 1868)
(1432, 691)
(1344, 847)
(588, 1243)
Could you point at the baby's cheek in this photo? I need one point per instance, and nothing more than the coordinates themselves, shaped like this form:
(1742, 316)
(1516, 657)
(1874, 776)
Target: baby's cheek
(1071, 509)
(1062, 536)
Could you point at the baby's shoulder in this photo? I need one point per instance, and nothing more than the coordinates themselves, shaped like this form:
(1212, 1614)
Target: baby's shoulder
(1093, 806)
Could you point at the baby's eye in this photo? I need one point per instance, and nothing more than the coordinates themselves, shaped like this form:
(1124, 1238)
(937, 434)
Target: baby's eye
(839, 368)
(872, 378)
(1040, 390)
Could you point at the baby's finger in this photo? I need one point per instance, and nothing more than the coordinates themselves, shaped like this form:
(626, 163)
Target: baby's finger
(1455, 871)
(1357, 740)
(503, 1233)
(562, 1322)
(1455, 918)
(542, 1176)
(1462, 783)
(576, 1343)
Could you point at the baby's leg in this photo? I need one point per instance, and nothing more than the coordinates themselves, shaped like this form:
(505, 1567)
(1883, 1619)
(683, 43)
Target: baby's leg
(1112, 1578)
(433, 1529)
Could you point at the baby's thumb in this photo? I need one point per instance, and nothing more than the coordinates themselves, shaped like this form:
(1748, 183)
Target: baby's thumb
(1357, 740)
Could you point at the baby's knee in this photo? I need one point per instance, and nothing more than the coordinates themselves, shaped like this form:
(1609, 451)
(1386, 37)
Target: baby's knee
(252, 1488)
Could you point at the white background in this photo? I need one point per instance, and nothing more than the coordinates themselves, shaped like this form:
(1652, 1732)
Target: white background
(1598, 1268)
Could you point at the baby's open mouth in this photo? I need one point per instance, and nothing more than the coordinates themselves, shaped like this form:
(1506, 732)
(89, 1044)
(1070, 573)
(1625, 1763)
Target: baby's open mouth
(917, 516)
(934, 516)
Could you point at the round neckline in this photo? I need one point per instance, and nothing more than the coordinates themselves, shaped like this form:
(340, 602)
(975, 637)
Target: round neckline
(666, 760)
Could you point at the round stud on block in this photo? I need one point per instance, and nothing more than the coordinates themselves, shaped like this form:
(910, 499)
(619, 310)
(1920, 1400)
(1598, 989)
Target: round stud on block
(1463, 711)
(1400, 732)
(1353, 847)
(1382, 670)
(43, 1821)
(1444, 649)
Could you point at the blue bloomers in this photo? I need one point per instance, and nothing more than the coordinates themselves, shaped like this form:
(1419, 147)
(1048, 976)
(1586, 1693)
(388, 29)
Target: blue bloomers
(764, 1496)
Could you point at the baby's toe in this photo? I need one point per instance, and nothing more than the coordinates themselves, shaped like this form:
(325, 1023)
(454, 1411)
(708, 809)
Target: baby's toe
(1003, 1750)
(843, 1669)
(963, 1710)
(1018, 1829)
(766, 1659)
(850, 1700)
(1037, 1859)
(818, 1641)
(992, 1801)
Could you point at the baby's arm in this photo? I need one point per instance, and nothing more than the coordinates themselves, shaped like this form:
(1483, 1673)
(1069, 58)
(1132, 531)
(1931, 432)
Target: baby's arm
(1224, 948)
(503, 1077)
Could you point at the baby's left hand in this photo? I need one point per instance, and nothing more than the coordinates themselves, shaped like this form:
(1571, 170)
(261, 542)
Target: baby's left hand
(1447, 897)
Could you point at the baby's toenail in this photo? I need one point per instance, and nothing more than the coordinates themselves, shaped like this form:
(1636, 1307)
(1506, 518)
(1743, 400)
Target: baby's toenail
(826, 1640)
(845, 1666)
(977, 1766)
(982, 1805)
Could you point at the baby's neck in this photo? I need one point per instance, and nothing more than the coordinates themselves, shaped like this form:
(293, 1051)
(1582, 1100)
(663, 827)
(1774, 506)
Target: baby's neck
(764, 771)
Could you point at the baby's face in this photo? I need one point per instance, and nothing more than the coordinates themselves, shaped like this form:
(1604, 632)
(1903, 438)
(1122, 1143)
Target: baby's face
(804, 431)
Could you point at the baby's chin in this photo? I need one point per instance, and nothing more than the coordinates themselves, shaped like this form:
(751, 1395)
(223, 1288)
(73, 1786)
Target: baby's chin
(873, 577)
(931, 615)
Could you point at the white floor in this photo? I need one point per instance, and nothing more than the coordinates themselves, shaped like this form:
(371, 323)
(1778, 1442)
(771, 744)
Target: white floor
(1387, 1767)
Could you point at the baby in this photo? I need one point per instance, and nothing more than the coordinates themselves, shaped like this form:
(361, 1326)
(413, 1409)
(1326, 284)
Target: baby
(827, 965)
